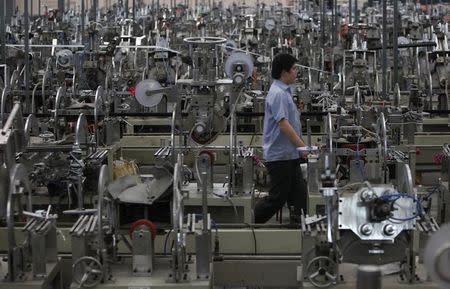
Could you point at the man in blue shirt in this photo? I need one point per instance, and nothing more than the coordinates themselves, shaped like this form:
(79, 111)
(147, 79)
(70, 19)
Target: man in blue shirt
(282, 137)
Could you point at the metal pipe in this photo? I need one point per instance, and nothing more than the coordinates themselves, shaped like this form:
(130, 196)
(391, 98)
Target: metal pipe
(82, 15)
(11, 117)
(60, 5)
(357, 13)
(204, 177)
(3, 32)
(322, 24)
(231, 153)
(27, 55)
(395, 43)
(257, 257)
(409, 45)
(384, 52)
(350, 11)
(134, 10)
(44, 45)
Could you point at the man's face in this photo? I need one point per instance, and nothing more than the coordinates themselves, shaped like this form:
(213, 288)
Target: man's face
(289, 77)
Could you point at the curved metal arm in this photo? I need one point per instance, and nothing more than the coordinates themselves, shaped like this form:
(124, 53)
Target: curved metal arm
(18, 185)
(103, 181)
(81, 130)
(9, 122)
(383, 135)
(29, 128)
(60, 94)
(33, 94)
(5, 95)
(99, 98)
(14, 78)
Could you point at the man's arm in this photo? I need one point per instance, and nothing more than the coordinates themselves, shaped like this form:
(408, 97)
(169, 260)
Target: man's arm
(289, 131)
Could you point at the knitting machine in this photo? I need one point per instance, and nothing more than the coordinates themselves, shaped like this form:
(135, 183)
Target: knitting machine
(370, 210)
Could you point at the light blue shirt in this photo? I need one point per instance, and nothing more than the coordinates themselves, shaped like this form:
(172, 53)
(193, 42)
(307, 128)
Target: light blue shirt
(280, 105)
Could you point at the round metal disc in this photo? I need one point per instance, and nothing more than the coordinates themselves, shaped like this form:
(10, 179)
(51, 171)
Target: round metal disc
(437, 257)
(239, 57)
(144, 95)
(269, 24)
(229, 46)
(64, 57)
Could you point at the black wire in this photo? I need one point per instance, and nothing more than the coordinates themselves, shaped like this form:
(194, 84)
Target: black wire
(254, 237)
(165, 241)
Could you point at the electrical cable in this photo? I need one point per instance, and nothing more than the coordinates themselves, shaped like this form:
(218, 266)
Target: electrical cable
(254, 237)
(394, 197)
(166, 239)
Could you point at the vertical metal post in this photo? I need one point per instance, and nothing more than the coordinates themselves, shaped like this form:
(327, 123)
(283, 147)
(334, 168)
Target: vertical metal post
(31, 8)
(39, 8)
(357, 13)
(27, 52)
(333, 24)
(384, 52)
(82, 15)
(204, 177)
(336, 21)
(322, 23)
(350, 11)
(94, 9)
(395, 43)
(60, 5)
(431, 8)
(134, 10)
(3, 32)
(126, 9)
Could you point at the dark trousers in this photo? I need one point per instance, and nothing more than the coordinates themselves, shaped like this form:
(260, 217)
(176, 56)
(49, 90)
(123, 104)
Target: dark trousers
(287, 185)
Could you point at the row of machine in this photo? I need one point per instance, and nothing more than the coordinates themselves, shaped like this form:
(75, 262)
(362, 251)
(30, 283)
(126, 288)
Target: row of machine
(131, 145)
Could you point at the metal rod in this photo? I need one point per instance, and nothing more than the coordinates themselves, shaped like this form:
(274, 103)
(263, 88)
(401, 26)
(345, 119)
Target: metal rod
(134, 10)
(11, 117)
(384, 52)
(94, 9)
(82, 15)
(395, 43)
(204, 177)
(44, 45)
(257, 257)
(322, 24)
(409, 45)
(350, 11)
(3, 32)
(61, 4)
(357, 13)
(27, 57)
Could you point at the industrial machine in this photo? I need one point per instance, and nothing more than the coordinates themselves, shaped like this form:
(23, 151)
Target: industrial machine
(131, 144)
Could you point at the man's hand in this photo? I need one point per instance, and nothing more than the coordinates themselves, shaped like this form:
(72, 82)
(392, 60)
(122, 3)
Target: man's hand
(305, 151)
